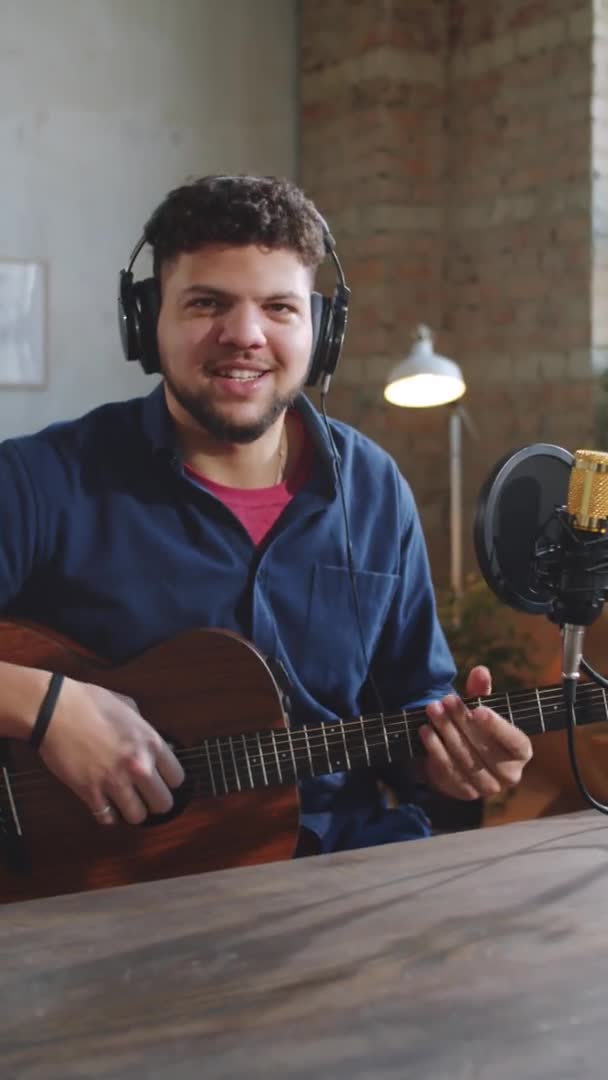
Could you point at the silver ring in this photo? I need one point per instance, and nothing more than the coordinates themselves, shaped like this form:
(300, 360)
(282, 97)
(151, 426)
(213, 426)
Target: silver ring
(107, 809)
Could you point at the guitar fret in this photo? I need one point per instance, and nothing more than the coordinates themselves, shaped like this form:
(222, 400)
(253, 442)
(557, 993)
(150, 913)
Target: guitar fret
(276, 754)
(236, 771)
(540, 709)
(307, 741)
(9, 791)
(246, 752)
(509, 709)
(343, 733)
(388, 749)
(293, 756)
(364, 737)
(261, 753)
(255, 760)
(605, 703)
(407, 732)
(219, 753)
(357, 741)
(329, 764)
(211, 775)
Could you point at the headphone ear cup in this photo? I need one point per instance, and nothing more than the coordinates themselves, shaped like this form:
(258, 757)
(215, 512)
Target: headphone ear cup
(321, 312)
(336, 330)
(146, 295)
(126, 316)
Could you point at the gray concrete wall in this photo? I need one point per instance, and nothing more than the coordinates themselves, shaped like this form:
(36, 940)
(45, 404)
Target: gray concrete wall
(104, 106)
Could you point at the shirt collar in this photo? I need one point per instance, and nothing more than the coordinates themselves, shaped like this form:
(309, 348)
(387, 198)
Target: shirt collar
(158, 428)
(157, 424)
(315, 426)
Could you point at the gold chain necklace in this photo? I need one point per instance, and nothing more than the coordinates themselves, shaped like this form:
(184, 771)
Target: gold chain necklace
(282, 456)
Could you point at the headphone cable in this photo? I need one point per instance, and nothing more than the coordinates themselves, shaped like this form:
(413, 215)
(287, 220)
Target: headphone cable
(350, 559)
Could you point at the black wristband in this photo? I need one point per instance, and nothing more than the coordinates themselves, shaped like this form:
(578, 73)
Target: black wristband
(46, 710)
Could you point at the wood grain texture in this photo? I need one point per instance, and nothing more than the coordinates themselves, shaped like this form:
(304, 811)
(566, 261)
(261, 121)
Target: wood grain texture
(465, 957)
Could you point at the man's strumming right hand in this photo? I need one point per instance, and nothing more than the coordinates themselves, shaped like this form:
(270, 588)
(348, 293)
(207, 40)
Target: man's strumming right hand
(99, 745)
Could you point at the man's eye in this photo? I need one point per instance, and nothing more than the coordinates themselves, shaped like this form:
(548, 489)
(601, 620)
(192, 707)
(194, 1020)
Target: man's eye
(281, 309)
(203, 303)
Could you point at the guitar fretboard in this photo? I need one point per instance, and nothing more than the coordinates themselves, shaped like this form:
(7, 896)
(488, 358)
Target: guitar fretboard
(231, 763)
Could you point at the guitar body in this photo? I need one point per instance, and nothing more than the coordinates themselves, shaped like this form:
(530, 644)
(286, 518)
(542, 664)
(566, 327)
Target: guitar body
(197, 685)
(215, 700)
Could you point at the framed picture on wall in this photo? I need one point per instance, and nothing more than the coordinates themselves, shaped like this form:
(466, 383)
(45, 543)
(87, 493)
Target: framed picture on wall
(22, 323)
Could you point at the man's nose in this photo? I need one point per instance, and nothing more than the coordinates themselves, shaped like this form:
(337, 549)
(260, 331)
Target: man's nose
(242, 326)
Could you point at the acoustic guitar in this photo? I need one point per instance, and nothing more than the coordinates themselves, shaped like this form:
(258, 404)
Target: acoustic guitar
(215, 699)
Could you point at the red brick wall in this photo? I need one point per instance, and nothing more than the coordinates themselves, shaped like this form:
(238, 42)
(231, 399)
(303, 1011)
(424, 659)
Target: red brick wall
(371, 153)
(600, 188)
(449, 144)
(517, 306)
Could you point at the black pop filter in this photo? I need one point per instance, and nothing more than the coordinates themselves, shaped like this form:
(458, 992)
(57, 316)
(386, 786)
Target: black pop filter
(515, 503)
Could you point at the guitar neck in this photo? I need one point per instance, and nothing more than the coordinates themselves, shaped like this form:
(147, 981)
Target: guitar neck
(243, 762)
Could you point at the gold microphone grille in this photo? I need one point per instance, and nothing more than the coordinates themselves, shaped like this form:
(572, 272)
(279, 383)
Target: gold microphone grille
(588, 490)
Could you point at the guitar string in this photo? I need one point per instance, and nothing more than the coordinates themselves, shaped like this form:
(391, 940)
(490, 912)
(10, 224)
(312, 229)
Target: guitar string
(204, 784)
(225, 765)
(316, 737)
(37, 790)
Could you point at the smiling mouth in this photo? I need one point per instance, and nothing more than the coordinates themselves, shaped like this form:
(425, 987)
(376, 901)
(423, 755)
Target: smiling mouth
(239, 374)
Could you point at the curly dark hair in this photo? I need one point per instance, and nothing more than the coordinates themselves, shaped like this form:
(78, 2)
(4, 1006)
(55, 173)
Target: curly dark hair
(265, 210)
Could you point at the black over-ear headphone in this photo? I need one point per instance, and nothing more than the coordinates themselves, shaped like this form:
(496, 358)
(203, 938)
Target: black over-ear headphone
(139, 307)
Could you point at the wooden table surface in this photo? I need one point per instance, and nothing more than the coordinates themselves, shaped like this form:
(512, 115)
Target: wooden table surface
(462, 957)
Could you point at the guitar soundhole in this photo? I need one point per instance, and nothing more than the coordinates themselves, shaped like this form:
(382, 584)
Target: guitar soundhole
(181, 796)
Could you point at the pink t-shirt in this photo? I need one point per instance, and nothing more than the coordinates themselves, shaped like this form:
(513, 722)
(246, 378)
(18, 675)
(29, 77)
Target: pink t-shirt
(258, 508)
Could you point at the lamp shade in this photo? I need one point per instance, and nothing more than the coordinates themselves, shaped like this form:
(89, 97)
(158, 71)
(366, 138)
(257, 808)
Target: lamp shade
(424, 378)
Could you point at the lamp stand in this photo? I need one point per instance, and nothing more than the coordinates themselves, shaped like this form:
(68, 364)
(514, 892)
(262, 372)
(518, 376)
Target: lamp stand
(456, 509)
(458, 416)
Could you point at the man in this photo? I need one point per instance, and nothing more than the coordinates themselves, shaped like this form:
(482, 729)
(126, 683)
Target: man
(215, 502)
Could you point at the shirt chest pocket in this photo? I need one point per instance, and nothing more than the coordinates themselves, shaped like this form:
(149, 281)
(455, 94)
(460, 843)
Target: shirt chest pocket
(333, 664)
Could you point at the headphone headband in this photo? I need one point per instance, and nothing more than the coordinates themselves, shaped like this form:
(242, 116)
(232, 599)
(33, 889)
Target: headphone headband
(136, 250)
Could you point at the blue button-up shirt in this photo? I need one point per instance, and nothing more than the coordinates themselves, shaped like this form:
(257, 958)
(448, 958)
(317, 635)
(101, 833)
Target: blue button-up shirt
(105, 539)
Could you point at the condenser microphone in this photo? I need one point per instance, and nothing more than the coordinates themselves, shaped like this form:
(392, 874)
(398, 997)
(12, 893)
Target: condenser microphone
(541, 539)
(583, 580)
